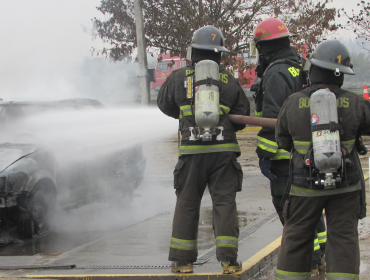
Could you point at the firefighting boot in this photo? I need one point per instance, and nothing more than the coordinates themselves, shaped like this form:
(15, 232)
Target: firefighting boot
(229, 267)
(181, 267)
(322, 268)
(315, 273)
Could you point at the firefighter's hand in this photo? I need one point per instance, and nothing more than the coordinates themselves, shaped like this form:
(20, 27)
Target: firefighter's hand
(265, 165)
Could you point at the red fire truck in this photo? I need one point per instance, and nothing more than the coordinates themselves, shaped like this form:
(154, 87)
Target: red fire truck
(165, 67)
(167, 64)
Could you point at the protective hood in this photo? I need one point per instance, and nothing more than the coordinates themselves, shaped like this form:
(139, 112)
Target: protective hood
(10, 153)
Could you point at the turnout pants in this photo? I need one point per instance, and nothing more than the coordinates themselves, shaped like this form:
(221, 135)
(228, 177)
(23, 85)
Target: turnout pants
(320, 232)
(342, 247)
(223, 175)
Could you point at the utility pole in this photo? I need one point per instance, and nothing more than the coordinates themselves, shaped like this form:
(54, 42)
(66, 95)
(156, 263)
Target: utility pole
(141, 53)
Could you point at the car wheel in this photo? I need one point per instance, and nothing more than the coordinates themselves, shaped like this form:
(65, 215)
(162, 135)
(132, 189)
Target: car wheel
(34, 221)
(25, 225)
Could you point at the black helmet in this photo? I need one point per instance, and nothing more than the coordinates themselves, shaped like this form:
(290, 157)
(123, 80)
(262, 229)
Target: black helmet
(332, 55)
(208, 38)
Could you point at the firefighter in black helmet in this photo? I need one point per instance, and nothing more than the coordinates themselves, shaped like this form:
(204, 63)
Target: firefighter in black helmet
(213, 163)
(343, 201)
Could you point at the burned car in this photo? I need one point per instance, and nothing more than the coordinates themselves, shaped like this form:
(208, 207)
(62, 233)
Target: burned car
(34, 183)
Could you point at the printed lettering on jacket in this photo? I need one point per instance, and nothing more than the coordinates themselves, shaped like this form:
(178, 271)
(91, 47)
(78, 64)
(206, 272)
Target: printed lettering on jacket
(342, 102)
(294, 71)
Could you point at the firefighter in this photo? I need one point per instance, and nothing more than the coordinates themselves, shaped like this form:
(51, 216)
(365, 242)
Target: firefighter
(344, 201)
(201, 163)
(281, 75)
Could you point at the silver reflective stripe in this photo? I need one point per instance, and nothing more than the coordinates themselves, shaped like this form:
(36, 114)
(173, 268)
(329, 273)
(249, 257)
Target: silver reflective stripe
(267, 145)
(348, 145)
(226, 241)
(301, 146)
(316, 245)
(322, 236)
(181, 244)
(287, 275)
(297, 191)
(281, 154)
(184, 150)
(342, 276)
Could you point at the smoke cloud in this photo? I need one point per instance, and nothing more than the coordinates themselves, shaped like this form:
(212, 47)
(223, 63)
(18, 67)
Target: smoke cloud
(45, 55)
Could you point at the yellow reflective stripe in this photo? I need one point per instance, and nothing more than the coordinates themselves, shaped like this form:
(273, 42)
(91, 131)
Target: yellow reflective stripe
(258, 114)
(201, 149)
(298, 191)
(183, 244)
(267, 145)
(348, 145)
(301, 146)
(289, 275)
(226, 109)
(186, 110)
(342, 276)
(281, 154)
(322, 237)
(226, 241)
(316, 244)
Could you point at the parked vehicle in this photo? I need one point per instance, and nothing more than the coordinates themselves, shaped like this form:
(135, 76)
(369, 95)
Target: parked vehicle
(165, 65)
(33, 183)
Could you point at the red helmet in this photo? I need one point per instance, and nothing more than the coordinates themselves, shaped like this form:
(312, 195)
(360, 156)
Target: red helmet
(271, 29)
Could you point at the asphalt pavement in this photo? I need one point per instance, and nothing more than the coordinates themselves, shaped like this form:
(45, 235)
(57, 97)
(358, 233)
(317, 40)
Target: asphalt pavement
(98, 241)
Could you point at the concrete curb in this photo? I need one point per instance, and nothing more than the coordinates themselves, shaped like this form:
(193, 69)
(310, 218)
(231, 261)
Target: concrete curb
(253, 268)
(251, 129)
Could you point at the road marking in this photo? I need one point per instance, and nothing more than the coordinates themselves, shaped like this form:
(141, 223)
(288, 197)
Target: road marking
(251, 129)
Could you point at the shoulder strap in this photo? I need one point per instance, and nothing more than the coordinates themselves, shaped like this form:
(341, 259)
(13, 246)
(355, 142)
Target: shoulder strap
(308, 91)
(338, 91)
(285, 61)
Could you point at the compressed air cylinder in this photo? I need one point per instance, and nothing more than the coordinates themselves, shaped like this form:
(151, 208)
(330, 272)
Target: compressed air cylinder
(206, 98)
(326, 144)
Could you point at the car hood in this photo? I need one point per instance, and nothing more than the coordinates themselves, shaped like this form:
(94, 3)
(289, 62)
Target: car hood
(10, 153)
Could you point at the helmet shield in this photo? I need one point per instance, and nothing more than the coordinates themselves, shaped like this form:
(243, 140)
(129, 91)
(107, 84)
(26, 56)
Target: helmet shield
(208, 38)
(253, 48)
(332, 55)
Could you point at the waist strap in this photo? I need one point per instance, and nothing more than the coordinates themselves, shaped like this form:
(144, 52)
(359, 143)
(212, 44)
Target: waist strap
(228, 134)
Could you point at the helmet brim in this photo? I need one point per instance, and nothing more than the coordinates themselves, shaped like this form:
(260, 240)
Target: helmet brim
(210, 48)
(269, 37)
(332, 66)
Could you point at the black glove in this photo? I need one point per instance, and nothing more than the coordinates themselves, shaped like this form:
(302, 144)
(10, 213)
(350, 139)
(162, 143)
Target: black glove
(265, 165)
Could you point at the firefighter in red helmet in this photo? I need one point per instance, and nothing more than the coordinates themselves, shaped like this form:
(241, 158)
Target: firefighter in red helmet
(281, 74)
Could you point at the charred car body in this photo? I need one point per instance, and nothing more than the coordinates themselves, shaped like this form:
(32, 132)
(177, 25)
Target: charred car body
(33, 183)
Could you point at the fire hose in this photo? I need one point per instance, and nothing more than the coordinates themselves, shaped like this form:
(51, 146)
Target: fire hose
(254, 121)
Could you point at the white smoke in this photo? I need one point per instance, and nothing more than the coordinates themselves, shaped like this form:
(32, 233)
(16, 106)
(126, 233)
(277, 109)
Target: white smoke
(45, 55)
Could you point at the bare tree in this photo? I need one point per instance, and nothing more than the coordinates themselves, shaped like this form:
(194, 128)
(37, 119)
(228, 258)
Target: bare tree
(169, 24)
(359, 22)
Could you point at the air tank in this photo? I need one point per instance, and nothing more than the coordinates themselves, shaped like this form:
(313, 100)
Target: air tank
(206, 98)
(326, 144)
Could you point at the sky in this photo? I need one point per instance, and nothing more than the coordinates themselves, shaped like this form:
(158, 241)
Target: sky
(43, 44)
